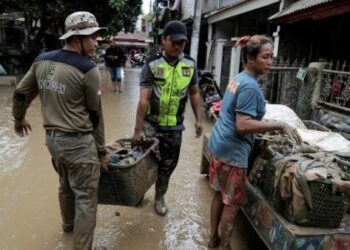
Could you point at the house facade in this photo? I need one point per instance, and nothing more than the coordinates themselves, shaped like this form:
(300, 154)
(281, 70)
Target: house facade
(315, 31)
(310, 37)
(224, 23)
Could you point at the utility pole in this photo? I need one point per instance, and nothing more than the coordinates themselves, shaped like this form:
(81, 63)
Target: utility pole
(196, 29)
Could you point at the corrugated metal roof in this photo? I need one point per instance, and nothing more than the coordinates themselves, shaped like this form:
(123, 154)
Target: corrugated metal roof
(237, 8)
(136, 36)
(297, 7)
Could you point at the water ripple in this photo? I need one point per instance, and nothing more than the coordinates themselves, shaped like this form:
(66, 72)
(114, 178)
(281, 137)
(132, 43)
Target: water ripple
(12, 148)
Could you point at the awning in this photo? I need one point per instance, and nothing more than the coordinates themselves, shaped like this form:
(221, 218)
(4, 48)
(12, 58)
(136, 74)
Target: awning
(131, 44)
(311, 9)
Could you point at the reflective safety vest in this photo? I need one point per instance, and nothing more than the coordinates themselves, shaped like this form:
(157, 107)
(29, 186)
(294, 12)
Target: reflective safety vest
(169, 96)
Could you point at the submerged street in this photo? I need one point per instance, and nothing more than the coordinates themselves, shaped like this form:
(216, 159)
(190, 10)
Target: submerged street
(29, 209)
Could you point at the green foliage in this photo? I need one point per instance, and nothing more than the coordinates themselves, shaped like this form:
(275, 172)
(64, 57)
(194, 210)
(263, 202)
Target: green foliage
(149, 17)
(127, 12)
(115, 14)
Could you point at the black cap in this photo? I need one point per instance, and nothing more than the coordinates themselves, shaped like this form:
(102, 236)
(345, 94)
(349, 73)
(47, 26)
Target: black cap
(176, 30)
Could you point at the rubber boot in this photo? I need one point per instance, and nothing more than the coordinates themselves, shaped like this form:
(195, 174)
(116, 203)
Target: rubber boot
(161, 188)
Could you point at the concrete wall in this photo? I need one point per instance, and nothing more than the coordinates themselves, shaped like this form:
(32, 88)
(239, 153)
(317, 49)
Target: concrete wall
(209, 6)
(187, 9)
(308, 92)
(225, 29)
(254, 22)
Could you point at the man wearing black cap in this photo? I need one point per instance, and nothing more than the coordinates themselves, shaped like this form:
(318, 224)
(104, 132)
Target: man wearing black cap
(166, 80)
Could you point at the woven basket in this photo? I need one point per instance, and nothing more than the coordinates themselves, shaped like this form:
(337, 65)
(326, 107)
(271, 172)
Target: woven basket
(126, 184)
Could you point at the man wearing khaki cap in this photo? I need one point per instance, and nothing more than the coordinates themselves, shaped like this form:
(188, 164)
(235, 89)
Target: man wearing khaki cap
(68, 84)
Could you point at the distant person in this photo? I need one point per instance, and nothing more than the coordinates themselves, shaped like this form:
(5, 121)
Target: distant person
(166, 81)
(133, 57)
(69, 88)
(132, 54)
(232, 137)
(115, 59)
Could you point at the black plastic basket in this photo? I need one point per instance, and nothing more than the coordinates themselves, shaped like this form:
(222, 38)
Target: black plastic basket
(328, 208)
(127, 184)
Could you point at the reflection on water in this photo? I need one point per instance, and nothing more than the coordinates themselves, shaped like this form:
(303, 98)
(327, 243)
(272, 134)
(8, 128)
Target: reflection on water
(184, 228)
(12, 148)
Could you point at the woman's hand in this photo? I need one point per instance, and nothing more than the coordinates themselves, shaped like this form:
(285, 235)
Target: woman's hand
(104, 162)
(291, 133)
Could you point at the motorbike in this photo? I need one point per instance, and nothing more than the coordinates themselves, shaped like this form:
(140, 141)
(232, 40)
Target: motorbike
(209, 90)
(138, 60)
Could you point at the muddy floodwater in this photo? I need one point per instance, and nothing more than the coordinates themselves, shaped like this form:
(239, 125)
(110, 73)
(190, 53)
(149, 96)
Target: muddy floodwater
(29, 210)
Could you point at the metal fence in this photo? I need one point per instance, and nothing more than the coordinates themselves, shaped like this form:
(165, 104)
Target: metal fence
(335, 88)
(280, 85)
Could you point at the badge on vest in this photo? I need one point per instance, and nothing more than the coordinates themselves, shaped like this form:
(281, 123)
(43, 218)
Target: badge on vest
(186, 71)
(159, 72)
